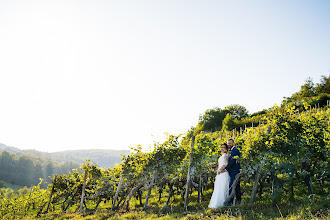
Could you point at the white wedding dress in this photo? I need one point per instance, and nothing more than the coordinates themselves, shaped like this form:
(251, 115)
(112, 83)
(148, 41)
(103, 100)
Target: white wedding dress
(221, 185)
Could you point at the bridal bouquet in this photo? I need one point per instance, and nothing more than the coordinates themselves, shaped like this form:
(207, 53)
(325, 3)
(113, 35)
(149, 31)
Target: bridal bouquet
(213, 165)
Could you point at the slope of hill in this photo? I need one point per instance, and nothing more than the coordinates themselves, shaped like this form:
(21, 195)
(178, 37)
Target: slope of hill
(285, 171)
(9, 149)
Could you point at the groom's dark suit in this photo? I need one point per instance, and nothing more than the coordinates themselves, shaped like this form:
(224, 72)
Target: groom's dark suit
(233, 168)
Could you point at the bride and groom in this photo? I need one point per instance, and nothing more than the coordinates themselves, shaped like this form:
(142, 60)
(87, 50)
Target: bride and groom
(228, 167)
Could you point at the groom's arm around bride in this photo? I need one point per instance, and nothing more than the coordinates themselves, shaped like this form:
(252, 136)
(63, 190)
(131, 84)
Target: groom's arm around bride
(233, 167)
(232, 163)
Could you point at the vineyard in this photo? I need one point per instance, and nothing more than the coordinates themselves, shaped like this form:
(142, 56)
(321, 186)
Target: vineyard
(285, 173)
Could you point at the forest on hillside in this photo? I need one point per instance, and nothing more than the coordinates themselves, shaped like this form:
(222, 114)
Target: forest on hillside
(26, 167)
(285, 169)
(26, 170)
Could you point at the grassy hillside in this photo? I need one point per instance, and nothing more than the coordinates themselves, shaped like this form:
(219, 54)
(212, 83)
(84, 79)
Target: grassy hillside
(286, 189)
(285, 172)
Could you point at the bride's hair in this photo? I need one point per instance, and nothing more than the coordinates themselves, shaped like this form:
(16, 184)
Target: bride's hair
(225, 144)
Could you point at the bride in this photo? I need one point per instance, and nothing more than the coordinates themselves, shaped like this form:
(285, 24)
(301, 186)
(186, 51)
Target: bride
(221, 184)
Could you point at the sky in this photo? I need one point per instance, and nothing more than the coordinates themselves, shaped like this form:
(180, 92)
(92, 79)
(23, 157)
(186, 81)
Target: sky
(112, 74)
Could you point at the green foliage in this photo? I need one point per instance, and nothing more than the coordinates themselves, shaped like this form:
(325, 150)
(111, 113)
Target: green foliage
(211, 120)
(324, 85)
(25, 170)
(228, 123)
(18, 205)
(262, 112)
(323, 98)
(306, 90)
(237, 111)
(3, 184)
(9, 193)
(309, 90)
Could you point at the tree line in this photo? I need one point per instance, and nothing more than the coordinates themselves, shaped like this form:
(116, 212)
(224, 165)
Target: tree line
(25, 170)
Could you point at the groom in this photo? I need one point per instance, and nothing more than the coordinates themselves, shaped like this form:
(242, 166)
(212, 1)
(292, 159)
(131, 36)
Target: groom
(233, 168)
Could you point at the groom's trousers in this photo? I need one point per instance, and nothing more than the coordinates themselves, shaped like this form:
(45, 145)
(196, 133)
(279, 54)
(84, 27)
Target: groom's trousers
(237, 190)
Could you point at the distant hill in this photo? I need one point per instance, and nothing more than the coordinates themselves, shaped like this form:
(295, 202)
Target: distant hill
(8, 148)
(104, 158)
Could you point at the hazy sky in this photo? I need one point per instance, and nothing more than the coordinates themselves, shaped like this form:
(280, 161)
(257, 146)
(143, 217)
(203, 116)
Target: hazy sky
(113, 74)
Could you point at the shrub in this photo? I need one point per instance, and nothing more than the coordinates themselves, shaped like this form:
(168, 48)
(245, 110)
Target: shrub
(323, 97)
(3, 184)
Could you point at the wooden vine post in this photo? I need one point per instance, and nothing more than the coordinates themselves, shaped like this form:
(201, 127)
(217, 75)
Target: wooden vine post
(233, 191)
(255, 185)
(154, 175)
(188, 174)
(117, 191)
(83, 192)
(199, 188)
(169, 195)
(133, 191)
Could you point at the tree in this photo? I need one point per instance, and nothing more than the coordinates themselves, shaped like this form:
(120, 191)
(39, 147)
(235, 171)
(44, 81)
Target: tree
(237, 111)
(323, 99)
(3, 184)
(228, 123)
(306, 90)
(6, 161)
(211, 120)
(324, 86)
